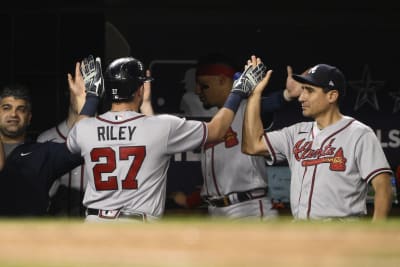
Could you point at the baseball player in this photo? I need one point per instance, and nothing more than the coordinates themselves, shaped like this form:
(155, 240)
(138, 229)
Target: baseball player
(67, 192)
(236, 188)
(235, 184)
(332, 159)
(127, 153)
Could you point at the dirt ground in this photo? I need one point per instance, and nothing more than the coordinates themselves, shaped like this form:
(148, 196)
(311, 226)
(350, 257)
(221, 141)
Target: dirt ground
(197, 242)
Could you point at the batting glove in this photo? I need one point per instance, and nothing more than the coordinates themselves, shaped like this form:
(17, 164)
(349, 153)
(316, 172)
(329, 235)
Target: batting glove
(249, 79)
(93, 76)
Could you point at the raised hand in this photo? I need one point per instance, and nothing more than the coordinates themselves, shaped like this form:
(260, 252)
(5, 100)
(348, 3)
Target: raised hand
(76, 83)
(147, 86)
(293, 88)
(92, 75)
(263, 83)
(254, 72)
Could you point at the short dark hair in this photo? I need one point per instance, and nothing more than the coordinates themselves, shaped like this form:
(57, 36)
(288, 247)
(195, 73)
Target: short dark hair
(18, 91)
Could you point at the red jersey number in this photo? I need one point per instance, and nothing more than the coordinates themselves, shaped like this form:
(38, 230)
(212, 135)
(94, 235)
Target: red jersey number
(130, 182)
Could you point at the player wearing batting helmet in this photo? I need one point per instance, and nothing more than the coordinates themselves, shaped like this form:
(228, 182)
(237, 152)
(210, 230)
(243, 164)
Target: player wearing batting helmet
(332, 159)
(127, 153)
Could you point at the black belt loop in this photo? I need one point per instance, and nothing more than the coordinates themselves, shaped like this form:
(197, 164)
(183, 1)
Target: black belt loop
(236, 197)
(92, 211)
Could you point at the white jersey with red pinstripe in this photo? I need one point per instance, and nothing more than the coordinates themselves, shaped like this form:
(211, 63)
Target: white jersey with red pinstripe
(330, 168)
(226, 170)
(127, 156)
(66, 192)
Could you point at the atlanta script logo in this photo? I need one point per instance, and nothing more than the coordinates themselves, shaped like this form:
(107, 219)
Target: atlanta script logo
(327, 154)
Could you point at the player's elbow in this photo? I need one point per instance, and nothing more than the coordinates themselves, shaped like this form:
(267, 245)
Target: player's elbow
(248, 148)
(215, 133)
(253, 147)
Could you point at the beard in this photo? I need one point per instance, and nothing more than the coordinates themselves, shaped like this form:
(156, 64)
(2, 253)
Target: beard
(13, 133)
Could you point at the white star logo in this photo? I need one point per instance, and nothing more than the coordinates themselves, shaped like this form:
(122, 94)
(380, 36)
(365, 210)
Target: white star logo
(367, 89)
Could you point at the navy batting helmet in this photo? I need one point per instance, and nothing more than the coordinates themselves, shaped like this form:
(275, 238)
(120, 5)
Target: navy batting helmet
(123, 77)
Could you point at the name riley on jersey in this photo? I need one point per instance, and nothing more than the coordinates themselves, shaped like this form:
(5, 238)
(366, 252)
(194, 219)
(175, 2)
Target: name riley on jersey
(106, 133)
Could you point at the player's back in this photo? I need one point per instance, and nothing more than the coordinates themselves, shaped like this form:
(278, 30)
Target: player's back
(127, 157)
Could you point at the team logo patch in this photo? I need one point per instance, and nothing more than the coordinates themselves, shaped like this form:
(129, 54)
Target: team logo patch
(231, 138)
(328, 154)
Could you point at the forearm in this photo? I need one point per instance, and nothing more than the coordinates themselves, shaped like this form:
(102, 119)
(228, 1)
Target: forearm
(382, 207)
(72, 117)
(253, 132)
(383, 197)
(89, 109)
(220, 124)
(146, 108)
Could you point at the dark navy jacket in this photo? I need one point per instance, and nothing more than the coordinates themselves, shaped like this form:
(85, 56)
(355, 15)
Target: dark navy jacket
(28, 174)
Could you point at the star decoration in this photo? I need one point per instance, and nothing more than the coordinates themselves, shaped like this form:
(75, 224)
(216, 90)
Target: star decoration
(367, 89)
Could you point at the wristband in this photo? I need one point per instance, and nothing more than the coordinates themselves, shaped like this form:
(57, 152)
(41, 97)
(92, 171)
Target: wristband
(90, 106)
(233, 101)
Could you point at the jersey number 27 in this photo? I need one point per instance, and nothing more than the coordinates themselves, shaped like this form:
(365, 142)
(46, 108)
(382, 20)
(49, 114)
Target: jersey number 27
(130, 182)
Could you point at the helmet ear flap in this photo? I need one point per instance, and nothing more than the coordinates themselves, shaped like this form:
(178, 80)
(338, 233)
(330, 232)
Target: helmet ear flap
(123, 77)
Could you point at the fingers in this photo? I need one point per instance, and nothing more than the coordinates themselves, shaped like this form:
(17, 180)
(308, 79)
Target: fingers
(77, 69)
(289, 71)
(98, 62)
(252, 62)
(261, 86)
(148, 75)
(248, 64)
(70, 80)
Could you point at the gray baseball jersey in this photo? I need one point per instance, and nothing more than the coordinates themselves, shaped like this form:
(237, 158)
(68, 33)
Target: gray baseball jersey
(330, 168)
(226, 169)
(73, 182)
(127, 156)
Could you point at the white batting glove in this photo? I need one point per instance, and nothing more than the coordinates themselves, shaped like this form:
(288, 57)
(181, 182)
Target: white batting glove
(249, 79)
(93, 76)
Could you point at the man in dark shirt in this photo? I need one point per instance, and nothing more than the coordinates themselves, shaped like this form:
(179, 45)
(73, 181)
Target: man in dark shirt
(30, 167)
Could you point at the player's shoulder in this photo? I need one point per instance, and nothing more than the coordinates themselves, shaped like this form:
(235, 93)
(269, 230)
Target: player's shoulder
(56, 133)
(174, 121)
(47, 135)
(37, 148)
(85, 121)
(301, 127)
(356, 125)
(166, 118)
